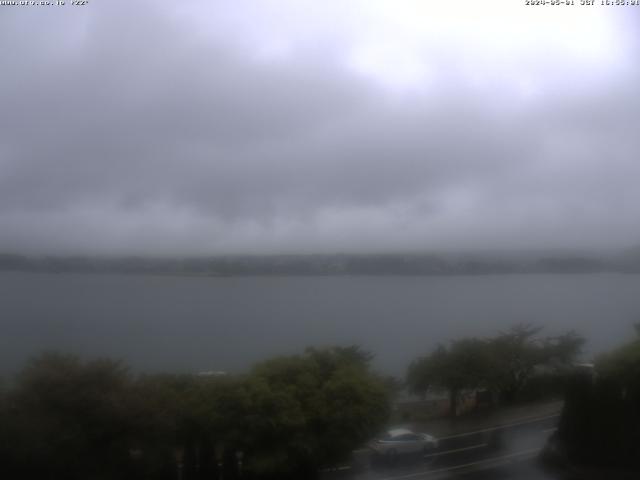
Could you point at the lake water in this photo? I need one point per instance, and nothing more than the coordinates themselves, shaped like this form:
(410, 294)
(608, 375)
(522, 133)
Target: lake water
(187, 324)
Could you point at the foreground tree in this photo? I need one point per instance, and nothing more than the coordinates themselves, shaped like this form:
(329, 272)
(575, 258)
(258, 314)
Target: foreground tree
(312, 409)
(462, 365)
(600, 422)
(69, 419)
(503, 364)
(516, 354)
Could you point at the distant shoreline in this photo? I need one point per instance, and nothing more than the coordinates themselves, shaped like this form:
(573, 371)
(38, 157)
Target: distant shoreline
(326, 265)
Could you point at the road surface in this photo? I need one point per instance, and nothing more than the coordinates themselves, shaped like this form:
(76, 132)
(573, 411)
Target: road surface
(499, 452)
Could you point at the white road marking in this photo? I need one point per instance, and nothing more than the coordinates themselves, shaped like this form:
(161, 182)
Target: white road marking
(500, 427)
(446, 452)
(497, 460)
(548, 430)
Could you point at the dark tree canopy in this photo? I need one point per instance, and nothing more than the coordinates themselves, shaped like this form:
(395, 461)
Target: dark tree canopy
(73, 419)
(69, 418)
(600, 423)
(461, 365)
(503, 364)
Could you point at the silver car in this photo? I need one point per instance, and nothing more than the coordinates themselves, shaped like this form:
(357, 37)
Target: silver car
(402, 441)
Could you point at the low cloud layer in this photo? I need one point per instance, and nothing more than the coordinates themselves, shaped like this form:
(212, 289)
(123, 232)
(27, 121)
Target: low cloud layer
(232, 127)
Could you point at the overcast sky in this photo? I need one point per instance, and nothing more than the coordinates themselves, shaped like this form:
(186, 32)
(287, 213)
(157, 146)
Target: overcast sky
(212, 127)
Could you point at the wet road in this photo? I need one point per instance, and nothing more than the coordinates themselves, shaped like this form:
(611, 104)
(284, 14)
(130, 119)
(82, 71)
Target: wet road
(500, 452)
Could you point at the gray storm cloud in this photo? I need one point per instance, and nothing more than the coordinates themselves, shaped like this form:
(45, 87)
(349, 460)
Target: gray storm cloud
(230, 127)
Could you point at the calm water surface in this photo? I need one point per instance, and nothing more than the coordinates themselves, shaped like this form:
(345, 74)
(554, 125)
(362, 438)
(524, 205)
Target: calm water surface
(191, 323)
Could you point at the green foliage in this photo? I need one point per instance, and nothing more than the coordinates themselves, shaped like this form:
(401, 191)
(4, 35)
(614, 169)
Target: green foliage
(518, 352)
(328, 403)
(622, 366)
(462, 365)
(503, 364)
(515, 355)
(600, 424)
(69, 419)
(65, 418)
